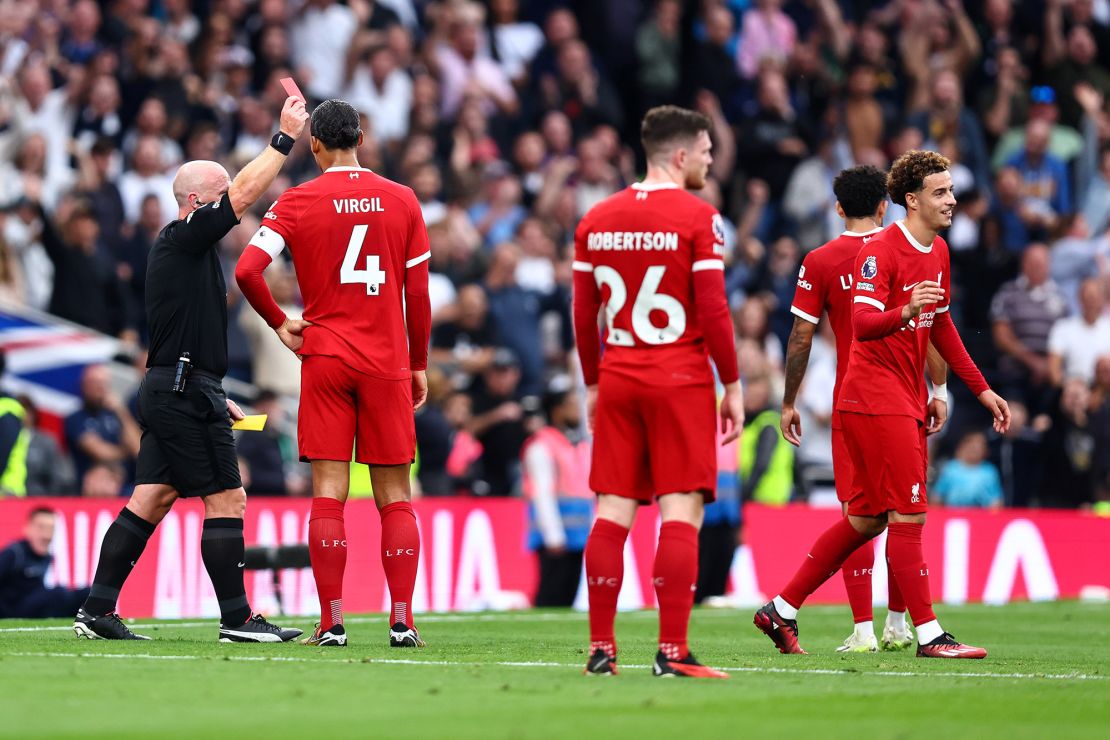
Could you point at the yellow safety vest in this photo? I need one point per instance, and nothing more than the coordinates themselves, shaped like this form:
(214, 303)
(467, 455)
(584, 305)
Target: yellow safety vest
(361, 487)
(13, 481)
(778, 479)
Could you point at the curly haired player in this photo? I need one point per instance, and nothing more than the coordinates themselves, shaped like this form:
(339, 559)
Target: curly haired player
(901, 294)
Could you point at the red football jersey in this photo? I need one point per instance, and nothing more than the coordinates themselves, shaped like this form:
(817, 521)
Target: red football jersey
(643, 246)
(353, 234)
(825, 284)
(887, 376)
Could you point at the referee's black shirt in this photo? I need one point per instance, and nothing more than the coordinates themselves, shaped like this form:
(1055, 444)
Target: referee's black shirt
(186, 296)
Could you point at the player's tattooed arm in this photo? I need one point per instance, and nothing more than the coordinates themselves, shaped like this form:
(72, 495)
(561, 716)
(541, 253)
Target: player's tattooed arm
(797, 360)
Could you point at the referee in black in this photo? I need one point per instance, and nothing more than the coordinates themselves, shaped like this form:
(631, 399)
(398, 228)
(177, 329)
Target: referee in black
(187, 448)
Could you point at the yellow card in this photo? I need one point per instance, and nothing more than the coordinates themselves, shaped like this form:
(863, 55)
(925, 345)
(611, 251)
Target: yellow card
(253, 423)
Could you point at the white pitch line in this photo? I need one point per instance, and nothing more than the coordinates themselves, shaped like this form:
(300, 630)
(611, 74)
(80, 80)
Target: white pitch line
(430, 618)
(547, 664)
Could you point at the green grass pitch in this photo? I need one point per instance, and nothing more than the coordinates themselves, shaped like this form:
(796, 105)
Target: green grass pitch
(519, 676)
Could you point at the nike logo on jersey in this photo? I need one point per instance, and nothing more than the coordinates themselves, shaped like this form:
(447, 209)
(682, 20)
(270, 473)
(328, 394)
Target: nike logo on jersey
(241, 565)
(910, 286)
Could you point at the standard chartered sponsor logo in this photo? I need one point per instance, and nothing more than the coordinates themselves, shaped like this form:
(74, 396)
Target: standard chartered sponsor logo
(660, 241)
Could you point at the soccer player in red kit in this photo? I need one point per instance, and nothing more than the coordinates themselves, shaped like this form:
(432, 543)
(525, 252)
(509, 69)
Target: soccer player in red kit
(901, 295)
(652, 256)
(825, 286)
(360, 251)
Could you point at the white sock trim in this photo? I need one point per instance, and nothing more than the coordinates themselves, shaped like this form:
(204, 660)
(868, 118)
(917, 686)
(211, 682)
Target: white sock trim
(785, 610)
(896, 619)
(865, 629)
(928, 632)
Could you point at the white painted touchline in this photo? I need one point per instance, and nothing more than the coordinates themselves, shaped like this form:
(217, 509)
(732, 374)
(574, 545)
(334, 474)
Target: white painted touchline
(545, 664)
(429, 618)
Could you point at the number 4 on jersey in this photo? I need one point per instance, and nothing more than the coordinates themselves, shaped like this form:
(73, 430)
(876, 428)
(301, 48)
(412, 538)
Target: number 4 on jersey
(373, 276)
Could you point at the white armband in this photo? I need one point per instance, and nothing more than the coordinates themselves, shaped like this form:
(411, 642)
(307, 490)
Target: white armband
(940, 392)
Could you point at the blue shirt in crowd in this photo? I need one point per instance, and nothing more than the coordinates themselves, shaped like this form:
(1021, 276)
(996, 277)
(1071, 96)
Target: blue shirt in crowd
(961, 484)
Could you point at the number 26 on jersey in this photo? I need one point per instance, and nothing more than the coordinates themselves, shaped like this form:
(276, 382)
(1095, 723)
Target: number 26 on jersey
(648, 299)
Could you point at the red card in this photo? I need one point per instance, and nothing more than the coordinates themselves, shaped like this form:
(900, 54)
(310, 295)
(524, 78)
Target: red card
(291, 88)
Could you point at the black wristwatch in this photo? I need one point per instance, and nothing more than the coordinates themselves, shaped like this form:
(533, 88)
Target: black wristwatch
(283, 142)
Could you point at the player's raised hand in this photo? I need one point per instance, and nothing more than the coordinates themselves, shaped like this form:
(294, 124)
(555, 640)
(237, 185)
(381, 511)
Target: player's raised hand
(936, 416)
(291, 333)
(419, 388)
(924, 293)
(293, 116)
(791, 425)
(999, 409)
(732, 413)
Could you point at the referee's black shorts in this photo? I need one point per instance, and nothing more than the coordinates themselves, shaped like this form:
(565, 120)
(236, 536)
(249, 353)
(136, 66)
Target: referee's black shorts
(187, 441)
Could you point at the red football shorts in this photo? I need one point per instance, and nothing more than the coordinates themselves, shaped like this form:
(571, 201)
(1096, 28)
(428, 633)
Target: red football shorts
(340, 405)
(888, 464)
(650, 441)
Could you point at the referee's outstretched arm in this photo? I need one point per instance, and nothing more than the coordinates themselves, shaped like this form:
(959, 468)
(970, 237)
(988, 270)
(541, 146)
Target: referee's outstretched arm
(254, 179)
(199, 183)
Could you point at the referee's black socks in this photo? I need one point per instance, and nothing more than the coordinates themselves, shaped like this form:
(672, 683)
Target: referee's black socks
(221, 548)
(123, 544)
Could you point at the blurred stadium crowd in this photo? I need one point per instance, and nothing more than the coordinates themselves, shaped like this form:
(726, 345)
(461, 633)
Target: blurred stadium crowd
(510, 119)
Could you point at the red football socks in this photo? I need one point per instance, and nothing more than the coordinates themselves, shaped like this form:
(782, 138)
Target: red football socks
(400, 557)
(327, 549)
(828, 554)
(857, 572)
(895, 602)
(675, 575)
(907, 563)
(604, 560)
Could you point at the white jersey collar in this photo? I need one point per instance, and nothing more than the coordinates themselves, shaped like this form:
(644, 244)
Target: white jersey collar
(913, 242)
(653, 186)
(345, 168)
(875, 230)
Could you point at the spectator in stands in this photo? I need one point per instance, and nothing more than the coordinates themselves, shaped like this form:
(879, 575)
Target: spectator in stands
(102, 430)
(132, 259)
(766, 34)
(23, 566)
(1077, 342)
(100, 116)
(268, 454)
(766, 459)
(1046, 192)
(465, 70)
(49, 469)
(969, 479)
(1068, 448)
(467, 343)
(87, 289)
(772, 142)
(1023, 313)
(379, 88)
(1019, 456)
(103, 480)
(147, 176)
(515, 42)
(581, 90)
(555, 473)
(153, 121)
(517, 313)
(947, 116)
(320, 35)
(15, 437)
(657, 54)
(713, 67)
(499, 424)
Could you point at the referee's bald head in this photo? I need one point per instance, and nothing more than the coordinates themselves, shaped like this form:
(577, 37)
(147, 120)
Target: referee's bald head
(199, 182)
